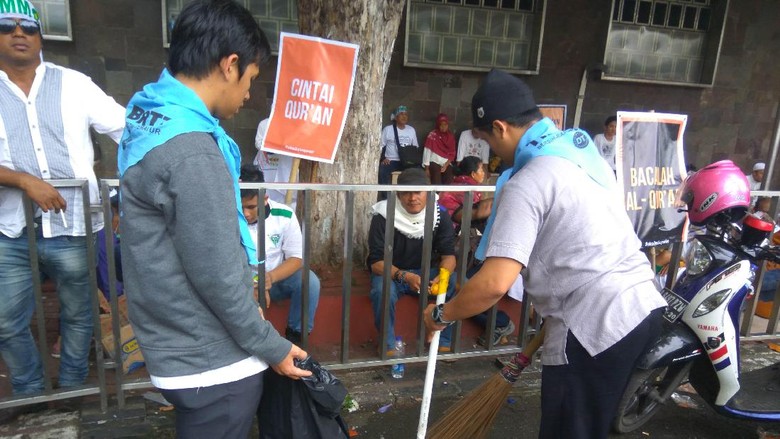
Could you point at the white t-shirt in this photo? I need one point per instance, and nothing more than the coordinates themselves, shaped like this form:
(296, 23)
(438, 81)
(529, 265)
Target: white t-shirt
(754, 186)
(469, 146)
(223, 375)
(283, 238)
(584, 269)
(276, 167)
(406, 135)
(606, 149)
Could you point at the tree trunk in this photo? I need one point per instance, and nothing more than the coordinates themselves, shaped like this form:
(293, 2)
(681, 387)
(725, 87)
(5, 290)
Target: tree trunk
(373, 24)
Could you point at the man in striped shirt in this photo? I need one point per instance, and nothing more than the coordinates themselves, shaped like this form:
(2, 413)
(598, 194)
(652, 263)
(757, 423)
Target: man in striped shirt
(46, 112)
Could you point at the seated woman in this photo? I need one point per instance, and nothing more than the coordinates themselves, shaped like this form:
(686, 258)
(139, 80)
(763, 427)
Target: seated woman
(471, 171)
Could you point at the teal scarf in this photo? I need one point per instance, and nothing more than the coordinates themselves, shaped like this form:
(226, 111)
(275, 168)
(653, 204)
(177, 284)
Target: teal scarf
(165, 109)
(545, 139)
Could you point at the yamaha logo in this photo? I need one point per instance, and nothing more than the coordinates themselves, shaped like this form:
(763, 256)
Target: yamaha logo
(708, 202)
(480, 112)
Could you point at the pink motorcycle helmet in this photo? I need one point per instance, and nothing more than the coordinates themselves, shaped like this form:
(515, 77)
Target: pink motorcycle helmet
(719, 189)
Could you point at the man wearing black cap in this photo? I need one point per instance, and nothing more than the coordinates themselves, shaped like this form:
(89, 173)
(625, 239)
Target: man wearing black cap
(558, 219)
(408, 249)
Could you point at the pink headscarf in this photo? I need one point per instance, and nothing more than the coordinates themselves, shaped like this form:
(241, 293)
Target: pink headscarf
(441, 143)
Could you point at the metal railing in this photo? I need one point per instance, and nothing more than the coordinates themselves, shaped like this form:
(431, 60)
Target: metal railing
(304, 204)
(49, 393)
(749, 312)
(121, 384)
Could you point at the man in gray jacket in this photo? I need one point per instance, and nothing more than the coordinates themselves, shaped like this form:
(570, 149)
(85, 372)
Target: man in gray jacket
(185, 243)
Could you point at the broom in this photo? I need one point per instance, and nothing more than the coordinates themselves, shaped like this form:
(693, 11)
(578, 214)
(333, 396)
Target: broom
(472, 417)
(440, 290)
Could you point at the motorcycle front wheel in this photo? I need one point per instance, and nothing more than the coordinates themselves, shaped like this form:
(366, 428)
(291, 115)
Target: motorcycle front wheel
(644, 394)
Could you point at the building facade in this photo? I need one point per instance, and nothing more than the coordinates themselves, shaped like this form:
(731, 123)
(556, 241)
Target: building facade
(713, 60)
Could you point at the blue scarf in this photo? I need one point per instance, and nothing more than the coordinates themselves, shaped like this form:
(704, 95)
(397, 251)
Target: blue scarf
(545, 139)
(170, 108)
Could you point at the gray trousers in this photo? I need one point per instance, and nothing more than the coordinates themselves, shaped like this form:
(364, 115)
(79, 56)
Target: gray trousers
(221, 411)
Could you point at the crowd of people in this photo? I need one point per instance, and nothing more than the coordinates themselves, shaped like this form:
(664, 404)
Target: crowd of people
(439, 156)
(204, 338)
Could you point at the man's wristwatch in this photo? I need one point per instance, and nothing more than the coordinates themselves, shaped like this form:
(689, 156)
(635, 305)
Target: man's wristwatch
(436, 315)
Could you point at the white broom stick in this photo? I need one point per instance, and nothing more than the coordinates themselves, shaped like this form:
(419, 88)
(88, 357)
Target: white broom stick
(422, 427)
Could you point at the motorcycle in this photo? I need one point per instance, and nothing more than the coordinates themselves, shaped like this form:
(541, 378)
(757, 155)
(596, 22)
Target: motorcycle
(700, 337)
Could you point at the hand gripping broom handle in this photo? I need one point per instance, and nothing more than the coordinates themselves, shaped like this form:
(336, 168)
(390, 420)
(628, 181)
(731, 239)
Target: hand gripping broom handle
(422, 426)
(521, 360)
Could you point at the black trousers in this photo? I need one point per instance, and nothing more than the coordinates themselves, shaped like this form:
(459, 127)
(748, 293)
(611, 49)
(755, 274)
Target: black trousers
(579, 399)
(215, 412)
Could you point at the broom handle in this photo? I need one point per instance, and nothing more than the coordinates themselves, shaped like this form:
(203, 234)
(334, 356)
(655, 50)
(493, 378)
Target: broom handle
(530, 349)
(422, 427)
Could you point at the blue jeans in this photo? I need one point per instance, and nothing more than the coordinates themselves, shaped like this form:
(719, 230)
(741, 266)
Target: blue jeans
(396, 290)
(64, 259)
(291, 288)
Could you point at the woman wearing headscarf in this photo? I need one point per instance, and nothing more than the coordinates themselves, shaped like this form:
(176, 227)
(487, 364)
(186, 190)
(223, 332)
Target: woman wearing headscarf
(440, 151)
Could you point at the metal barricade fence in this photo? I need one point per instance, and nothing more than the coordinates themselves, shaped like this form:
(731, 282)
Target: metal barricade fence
(528, 322)
(749, 312)
(49, 393)
(304, 204)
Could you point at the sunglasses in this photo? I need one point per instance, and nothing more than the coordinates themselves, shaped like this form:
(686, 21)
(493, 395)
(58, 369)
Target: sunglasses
(8, 25)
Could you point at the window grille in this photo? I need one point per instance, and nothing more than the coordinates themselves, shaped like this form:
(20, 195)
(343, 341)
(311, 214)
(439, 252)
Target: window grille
(474, 34)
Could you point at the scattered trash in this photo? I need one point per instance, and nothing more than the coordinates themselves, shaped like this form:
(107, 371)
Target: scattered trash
(774, 346)
(167, 408)
(385, 408)
(684, 401)
(511, 400)
(352, 432)
(646, 433)
(445, 383)
(2, 375)
(350, 404)
(158, 398)
(101, 422)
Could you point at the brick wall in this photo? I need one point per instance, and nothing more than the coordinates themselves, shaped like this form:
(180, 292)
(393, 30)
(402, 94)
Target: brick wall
(119, 44)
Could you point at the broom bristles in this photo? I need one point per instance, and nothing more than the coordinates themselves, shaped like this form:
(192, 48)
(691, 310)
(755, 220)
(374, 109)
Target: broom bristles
(472, 417)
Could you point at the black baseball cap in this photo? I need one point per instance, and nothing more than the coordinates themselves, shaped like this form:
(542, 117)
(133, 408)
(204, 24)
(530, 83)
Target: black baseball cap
(413, 177)
(501, 96)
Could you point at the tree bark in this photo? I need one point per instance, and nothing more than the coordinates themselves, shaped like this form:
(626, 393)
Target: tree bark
(373, 24)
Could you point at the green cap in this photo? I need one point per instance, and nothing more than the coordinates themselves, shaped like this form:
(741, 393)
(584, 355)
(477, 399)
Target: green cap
(19, 9)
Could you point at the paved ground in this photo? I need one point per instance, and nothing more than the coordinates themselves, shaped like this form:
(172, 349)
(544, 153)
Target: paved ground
(400, 399)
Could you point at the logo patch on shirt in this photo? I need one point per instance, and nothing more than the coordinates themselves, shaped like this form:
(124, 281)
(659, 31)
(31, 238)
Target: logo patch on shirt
(580, 139)
(275, 239)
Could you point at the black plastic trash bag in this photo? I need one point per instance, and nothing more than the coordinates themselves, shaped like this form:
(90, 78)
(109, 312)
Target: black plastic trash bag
(304, 409)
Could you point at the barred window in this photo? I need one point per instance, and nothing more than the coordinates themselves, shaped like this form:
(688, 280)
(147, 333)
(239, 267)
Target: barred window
(274, 17)
(474, 34)
(694, 16)
(670, 41)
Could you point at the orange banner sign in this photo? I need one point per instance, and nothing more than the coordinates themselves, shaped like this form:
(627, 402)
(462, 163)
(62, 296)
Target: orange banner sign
(314, 81)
